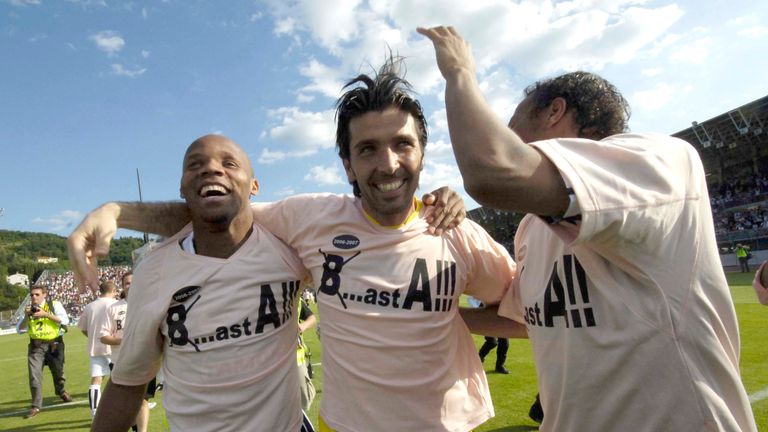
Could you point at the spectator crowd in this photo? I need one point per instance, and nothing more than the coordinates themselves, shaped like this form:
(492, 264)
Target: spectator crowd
(61, 286)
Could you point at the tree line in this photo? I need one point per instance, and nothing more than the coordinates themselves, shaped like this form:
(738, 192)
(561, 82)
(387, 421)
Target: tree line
(19, 251)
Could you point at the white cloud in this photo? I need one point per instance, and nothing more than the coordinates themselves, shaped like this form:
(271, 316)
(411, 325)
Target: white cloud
(255, 16)
(145, 53)
(108, 41)
(58, 222)
(439, 150)
(324, 80)
(285, 26)
(325, 175)
(23, 2)
(144, 13)
(652, 99)
(37, 37)
(297, 133)
(540, 38)
(695, 52)
(120, 70)
(89, 3)
(651, 72)
(286, 191)
(754, 32)
(330, 22)
(439, 174)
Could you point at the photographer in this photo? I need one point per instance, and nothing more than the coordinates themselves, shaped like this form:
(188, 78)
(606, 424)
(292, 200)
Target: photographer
(44, 319)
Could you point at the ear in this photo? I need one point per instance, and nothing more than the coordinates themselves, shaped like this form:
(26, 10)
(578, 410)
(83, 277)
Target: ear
(556, 111)
(181, 194)
(254, 187)
(351, 177)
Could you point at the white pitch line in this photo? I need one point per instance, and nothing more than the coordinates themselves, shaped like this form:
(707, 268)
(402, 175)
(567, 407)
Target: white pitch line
(45, 408)
(758, 396)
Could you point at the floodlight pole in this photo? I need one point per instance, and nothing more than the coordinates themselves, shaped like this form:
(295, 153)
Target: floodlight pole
(138, 181)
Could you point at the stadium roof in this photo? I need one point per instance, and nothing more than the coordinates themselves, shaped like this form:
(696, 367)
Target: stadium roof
(732, 138)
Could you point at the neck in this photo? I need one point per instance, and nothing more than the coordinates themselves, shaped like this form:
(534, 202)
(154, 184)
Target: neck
(222, 240)
(390, 219)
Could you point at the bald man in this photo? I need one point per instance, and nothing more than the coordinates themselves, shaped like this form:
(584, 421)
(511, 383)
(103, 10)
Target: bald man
(216, 307)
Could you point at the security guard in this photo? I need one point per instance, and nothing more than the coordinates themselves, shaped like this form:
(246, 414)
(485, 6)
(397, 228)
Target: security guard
(46, 321)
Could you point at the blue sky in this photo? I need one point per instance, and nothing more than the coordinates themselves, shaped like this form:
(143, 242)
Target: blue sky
(91, 90)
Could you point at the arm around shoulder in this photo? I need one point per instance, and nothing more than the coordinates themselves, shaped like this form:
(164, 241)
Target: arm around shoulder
(487, 322)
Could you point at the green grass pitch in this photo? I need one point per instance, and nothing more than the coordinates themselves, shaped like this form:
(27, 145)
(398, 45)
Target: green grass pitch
(512, 394)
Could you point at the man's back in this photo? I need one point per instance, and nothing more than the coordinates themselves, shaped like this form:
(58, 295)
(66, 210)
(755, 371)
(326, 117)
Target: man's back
(90, 321)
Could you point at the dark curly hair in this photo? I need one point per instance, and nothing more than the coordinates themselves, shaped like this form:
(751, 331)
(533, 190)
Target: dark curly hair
(384, 90)
(599, 108)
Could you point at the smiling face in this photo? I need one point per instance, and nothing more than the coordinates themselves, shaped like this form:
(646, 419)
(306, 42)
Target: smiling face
(386, 160)
(217, 180)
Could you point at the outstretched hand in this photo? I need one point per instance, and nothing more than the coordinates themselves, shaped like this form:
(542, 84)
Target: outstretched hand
(453, 53)
(444, 210)
(89, 241)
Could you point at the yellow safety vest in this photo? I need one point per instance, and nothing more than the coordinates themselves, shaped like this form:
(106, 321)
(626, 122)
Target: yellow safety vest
(43, 328)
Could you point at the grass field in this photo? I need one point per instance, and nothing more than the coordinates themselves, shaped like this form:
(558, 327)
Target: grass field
(512, 394)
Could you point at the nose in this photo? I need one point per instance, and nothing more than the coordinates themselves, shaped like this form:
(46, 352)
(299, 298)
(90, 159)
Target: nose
(389, 161)
(211, 167)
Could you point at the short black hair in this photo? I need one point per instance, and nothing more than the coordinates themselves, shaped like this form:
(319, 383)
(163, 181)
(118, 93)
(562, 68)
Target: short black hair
(599, 108)
(387, 88)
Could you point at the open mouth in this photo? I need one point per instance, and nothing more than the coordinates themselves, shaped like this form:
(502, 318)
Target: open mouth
(390, 186)
(213, 190)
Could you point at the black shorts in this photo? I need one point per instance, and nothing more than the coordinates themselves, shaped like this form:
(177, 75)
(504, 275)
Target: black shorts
(151, 387)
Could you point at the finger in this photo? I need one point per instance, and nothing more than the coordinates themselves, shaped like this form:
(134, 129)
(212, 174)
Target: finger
(103, 240)
(76, 246)
(439, 218)
(428, 199)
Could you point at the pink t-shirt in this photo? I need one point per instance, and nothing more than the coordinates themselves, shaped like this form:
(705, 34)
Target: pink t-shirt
(225, 331)
(90, 321)
(628, 311)
(113, 322)
(396, 354)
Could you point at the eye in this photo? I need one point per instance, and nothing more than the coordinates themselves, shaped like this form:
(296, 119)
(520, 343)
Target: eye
(364, 150)
(193, 165)
(230, 164)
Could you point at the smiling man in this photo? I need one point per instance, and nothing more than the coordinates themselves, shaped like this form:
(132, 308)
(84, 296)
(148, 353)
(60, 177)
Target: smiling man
(396, 353)
(229, 363)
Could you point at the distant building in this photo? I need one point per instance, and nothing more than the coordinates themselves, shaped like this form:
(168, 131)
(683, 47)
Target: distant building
(47, 260)
(18, 279)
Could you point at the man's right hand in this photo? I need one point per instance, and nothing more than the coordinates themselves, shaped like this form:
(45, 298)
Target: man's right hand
(89, 241)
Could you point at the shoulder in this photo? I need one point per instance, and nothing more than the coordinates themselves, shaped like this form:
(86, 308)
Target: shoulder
(301, 201)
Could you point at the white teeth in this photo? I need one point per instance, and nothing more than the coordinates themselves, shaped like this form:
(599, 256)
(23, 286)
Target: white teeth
(212, 188)
(388, 187)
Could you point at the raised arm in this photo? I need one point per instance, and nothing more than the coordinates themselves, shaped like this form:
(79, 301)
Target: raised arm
(498, 168)
(92, 237)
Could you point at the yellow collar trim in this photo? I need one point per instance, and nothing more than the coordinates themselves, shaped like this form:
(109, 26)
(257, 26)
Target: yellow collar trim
(417, 206)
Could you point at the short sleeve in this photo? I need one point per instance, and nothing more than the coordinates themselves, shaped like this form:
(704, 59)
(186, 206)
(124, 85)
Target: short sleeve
(141, 349)
(490, 268)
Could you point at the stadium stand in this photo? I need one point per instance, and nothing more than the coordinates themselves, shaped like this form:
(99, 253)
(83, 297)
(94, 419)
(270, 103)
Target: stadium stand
(734, 149)
(61, 286)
